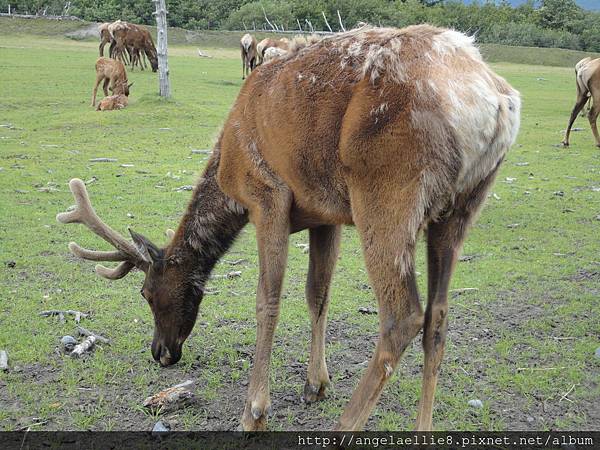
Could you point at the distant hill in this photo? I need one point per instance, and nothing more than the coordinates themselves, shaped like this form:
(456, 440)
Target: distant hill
(593, 5)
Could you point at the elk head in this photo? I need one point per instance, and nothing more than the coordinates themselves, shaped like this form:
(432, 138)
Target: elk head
(153, 58)
(172, 291)
(122, 88)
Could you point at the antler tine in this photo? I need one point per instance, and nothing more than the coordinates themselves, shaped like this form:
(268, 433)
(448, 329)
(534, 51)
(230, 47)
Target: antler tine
(94, 255)
(84, 213)
(117, 273)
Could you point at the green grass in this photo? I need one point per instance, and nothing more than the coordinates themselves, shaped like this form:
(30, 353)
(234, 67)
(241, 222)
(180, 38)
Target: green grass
(537, 306)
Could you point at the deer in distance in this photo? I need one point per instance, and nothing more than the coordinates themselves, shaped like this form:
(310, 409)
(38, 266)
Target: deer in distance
(587, 77)
(112, 74)
(394, 131)
(248, 49)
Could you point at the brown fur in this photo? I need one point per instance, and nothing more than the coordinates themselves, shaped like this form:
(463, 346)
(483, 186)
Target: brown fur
(112, 74)
(113, 102)
(587, 76)
(394, 131)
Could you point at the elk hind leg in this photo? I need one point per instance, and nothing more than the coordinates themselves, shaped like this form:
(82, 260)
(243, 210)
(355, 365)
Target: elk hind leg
(388, 235)
(324, 250)
(593, 117)
(444, 241)
(579, 104)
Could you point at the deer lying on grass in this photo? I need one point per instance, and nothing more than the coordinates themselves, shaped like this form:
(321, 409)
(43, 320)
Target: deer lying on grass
(587, 76)
(112, 73)
(248, 48)
(394, 131)
(113, 102)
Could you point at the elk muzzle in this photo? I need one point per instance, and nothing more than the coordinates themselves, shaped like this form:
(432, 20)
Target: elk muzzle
(166, 355)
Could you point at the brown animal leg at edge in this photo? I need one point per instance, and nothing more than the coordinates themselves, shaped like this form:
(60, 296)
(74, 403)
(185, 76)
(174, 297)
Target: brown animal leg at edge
(579, 104)
(324, 250)
(243, 66)
(444, 241)
(593, 117)
(98, 80)
(388, 238)
(272, 235)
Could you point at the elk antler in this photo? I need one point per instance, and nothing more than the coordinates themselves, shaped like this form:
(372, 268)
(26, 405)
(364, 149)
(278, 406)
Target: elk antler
(126, 251)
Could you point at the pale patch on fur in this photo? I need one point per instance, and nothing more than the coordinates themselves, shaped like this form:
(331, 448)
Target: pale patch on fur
(273, 53)
(116, 26)
(246, 41)
(384, 59)
(449, 42)
(485, 122)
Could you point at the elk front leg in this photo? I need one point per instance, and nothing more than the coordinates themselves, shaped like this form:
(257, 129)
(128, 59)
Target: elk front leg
(324, 250)
(243, 66)
(95, 90)
(444, 241)
(272, 234)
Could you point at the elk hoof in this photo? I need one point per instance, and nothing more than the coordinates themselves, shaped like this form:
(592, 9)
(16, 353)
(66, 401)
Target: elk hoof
(313, 393)
(255, 418)
(565, 143)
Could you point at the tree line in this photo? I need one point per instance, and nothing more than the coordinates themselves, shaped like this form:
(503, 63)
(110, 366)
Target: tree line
(537, 23)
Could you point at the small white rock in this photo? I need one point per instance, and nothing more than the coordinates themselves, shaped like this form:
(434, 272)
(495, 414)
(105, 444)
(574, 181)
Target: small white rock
(476, 403)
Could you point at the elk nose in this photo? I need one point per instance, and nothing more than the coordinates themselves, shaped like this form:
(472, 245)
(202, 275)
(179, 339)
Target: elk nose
(156, 351)
(165, 357)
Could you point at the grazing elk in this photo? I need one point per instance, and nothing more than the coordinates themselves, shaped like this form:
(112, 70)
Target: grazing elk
(118, 48)
(263, 45)
(113, 74)
(139, 43)
(113, 102)
(587, 76)
(248, 48)
(394, 131)
(105, 37)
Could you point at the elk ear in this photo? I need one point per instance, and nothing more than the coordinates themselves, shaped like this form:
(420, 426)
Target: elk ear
(130, 84)
(150, 252)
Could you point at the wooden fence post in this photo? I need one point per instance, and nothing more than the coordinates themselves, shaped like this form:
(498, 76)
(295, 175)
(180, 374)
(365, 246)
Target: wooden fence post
(161, 34)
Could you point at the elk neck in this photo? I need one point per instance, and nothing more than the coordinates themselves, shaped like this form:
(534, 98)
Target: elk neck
(209, 227)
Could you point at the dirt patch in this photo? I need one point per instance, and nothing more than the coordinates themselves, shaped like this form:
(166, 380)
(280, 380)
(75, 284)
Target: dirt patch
(88, 32)
(351, 345)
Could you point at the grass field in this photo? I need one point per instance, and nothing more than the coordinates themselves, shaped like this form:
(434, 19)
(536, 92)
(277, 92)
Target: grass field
(523, 343)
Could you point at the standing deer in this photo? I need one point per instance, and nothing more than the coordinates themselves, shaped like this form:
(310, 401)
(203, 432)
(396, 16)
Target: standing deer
(118, 49)
(112, 74)
(105, 37)
(587, 76)
(394, 131)
(248, 48)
